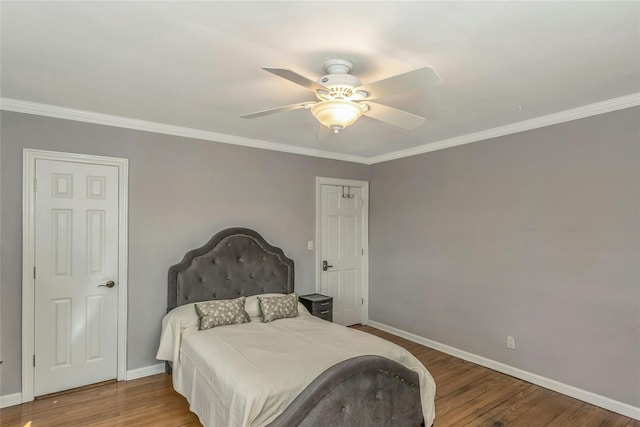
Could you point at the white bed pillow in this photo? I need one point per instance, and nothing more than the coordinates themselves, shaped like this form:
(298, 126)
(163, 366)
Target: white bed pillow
(174, 324)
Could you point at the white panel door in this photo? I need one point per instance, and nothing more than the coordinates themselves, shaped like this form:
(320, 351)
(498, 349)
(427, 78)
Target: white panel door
(341, 251)
(76, 260)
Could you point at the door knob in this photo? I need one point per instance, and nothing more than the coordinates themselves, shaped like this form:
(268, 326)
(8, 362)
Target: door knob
(325, 265)
(109, 284)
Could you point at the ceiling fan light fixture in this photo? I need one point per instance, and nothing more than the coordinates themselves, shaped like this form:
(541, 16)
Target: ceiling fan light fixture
(337, 114)
(342, 99)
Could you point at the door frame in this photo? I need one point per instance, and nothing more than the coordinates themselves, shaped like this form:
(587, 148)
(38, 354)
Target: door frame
(28, 257)
(364, 221)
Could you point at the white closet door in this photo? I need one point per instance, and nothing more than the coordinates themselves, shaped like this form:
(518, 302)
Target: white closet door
(341, 248)
(76, 293)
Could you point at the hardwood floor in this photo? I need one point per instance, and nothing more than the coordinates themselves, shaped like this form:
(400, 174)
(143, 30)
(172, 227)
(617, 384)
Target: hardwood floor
(472, 395)
(466, 395)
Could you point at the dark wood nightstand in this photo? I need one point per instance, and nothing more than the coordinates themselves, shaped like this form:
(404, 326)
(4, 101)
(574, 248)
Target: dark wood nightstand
(319, 305)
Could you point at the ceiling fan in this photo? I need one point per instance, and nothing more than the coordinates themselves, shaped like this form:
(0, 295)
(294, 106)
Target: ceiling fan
(342, 99)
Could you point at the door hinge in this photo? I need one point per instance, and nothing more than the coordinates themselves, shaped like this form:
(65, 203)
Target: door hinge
(34, 360)
(34, 272)
(35, 185)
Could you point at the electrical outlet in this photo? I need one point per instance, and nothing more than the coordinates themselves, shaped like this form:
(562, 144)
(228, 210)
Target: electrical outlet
(511, 342)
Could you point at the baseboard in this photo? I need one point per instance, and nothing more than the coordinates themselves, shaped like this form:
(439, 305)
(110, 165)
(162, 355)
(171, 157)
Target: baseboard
(16, 398)
(10, 400)
(145, 372)
(568, 390)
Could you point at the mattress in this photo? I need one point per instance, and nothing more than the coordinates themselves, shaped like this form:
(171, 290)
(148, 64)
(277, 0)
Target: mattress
(247, 374)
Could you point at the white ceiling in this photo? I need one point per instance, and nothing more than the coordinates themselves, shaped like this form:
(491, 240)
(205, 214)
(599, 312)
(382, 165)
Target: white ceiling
(198, 65)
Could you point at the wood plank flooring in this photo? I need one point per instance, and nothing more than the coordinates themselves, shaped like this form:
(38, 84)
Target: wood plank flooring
(471, 395)
(466, 395)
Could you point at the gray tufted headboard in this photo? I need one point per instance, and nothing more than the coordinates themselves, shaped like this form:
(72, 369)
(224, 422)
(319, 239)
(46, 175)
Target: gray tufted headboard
(235, 262)
(239, 262)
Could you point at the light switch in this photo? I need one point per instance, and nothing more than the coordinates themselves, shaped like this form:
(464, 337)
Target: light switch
(310, 245)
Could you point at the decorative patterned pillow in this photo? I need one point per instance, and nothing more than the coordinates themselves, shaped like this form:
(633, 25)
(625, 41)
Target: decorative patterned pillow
(281, 307)
(252, 305)
(221, 313)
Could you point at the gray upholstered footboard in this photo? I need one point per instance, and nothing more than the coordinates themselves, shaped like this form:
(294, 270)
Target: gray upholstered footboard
(363, 391)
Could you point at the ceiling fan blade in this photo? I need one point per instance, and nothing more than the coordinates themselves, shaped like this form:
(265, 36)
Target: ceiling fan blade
(296, 78)
(276, 110)
(412, 80)
(393, 116)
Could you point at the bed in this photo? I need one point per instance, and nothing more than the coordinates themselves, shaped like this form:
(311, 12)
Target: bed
(294, 371)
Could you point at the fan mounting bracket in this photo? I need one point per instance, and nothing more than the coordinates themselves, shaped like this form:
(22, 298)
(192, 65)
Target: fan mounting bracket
(338, 66)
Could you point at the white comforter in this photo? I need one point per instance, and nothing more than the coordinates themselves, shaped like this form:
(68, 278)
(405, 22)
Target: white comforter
(247, 374)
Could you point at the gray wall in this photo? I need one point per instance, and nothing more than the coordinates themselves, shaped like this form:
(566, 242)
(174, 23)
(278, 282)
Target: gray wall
(181, 192)
(534, 235)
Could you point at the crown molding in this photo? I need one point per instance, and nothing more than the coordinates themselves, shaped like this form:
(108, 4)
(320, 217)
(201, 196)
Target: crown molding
(19, 106)
(627, 101)
(55, 111)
